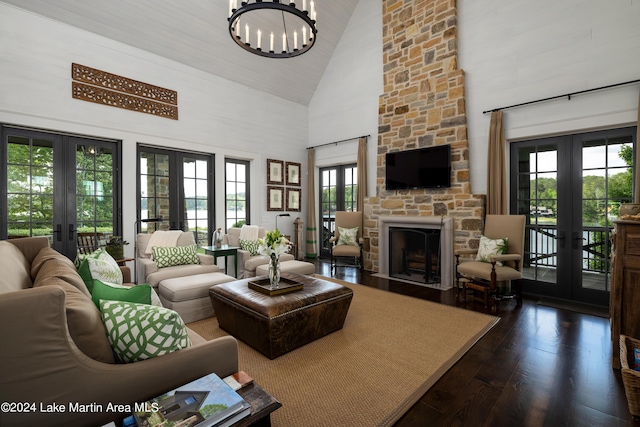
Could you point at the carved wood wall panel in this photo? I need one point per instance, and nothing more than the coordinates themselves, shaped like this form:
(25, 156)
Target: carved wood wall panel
(104, 88)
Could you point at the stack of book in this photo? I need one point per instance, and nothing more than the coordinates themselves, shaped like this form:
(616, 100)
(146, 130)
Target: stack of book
(205, 402)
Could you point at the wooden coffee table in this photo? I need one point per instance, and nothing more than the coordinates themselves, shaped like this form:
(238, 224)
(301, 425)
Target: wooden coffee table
(275, 325)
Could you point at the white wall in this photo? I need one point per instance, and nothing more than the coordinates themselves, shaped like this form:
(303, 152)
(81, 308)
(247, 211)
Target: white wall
(345, 103)
(215, 115)
(519, 51)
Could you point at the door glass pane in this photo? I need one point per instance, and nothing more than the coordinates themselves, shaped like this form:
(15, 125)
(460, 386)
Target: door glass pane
(195, 184)
(94, 196)
(537, 199)
(30, 200)
(607, 181)
(154, 191)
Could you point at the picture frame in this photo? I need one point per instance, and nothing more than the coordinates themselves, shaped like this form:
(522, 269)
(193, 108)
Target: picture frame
(275, 172)
(293, 173)
(293, 199)
(275, 198)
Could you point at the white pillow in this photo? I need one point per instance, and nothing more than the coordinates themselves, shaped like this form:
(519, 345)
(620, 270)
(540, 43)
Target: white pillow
(490, 247)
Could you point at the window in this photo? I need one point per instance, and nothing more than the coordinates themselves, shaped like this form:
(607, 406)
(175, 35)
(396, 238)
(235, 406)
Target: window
(236, 192)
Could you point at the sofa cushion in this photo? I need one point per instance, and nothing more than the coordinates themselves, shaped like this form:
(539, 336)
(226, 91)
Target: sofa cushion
(140, 294)
(99, 265)
(139, 331)
(167, 256)
(156, 277)
(84, 321)
(50, 264)
(15, 268)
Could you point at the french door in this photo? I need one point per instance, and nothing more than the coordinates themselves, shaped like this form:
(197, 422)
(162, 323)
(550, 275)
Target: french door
(338, 192)
(176, 192)
(60, 186)
(570, 188)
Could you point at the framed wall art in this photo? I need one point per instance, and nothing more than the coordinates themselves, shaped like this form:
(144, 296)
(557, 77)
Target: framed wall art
(275, 198)
(275, 172)
(293, 199)
(293, 173)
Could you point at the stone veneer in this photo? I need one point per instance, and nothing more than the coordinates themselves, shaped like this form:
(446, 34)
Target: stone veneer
(423, 105)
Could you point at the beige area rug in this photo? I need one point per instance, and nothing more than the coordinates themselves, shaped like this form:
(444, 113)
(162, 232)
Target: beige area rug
(391, 350)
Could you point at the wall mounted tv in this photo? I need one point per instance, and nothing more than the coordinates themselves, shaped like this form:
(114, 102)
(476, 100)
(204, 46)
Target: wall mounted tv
(428, 167)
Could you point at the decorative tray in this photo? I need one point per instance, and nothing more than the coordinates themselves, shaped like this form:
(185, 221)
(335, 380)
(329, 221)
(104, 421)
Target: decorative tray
(286, 286)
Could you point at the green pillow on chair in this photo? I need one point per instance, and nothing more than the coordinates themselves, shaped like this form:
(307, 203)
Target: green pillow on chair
(167, 256)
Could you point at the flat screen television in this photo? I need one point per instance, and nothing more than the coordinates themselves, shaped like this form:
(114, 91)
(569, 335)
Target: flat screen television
(428, 167)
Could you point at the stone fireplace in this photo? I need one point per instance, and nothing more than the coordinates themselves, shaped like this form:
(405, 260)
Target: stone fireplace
(394, 260)
(423, 104)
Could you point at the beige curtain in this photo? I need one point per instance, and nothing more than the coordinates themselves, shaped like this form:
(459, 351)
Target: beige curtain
(362, 172)
(636, 184)
(312, 230)
(496, 168)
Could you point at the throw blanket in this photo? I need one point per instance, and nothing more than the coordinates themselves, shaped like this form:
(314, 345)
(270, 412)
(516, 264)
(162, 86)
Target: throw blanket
(163, 238)
(249, 232)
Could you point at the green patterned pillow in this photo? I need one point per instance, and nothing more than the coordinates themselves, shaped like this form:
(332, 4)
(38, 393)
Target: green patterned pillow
(251, 246)
(167, 256)
(490, 247)
(99, 265)
(348, 236)
(139, 331)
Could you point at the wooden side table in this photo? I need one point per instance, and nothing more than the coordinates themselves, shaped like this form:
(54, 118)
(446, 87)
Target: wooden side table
(225, 251)
(262, 405)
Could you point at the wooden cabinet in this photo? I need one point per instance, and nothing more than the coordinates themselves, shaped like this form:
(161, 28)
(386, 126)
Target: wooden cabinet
(624, 305)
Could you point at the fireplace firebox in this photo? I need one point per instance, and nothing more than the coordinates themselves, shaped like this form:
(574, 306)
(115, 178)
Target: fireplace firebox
(414, 254)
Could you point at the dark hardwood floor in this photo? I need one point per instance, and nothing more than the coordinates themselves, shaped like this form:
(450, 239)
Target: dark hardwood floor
(539, 366)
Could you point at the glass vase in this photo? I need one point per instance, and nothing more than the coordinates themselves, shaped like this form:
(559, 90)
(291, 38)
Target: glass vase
(274, 272)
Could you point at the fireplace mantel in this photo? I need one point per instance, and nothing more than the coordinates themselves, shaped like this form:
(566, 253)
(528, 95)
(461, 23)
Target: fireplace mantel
(444, 224)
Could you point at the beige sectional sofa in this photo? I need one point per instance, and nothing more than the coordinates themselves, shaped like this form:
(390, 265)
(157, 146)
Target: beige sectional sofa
(55, 348)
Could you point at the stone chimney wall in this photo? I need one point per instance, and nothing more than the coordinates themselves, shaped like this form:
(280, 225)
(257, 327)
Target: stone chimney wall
(423, 105)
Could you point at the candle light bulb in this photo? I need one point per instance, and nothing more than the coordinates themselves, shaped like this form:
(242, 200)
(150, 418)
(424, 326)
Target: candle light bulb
(259, 39)
(304, 36)
(295, 40)
(284, 42)
(271, 42)
(246, 33)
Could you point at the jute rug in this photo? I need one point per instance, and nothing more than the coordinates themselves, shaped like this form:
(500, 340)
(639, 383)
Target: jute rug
(391, 350)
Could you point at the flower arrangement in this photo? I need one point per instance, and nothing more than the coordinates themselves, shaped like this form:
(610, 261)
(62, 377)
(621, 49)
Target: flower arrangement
(273, 245)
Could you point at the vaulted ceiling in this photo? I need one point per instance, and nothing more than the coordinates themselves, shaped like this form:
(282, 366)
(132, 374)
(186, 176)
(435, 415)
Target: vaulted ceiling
(195, 33)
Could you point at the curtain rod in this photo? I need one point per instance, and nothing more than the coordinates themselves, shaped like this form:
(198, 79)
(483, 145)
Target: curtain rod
(338, 142)
(568, 96)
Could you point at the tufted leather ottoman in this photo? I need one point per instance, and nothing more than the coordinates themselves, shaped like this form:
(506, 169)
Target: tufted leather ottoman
(278, 324)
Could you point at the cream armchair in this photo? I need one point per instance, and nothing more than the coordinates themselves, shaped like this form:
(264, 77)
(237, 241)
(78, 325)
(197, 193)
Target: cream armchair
(347, 247)
(147, 270)
(485, 275)
(248, 263)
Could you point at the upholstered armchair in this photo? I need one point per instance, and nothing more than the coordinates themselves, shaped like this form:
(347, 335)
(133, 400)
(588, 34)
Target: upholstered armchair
(498, 259)
(147, 270)
(248, 259)
(347, 240)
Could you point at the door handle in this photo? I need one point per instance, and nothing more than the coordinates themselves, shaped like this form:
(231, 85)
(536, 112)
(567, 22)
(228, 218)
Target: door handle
(58, 232)
(71, 231)
(576, 238)
(561, 238)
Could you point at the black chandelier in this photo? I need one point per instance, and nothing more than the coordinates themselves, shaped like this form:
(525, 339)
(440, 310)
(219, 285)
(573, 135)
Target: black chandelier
(288, 31)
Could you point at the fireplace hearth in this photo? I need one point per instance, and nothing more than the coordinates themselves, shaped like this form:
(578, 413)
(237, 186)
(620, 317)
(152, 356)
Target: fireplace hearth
(414, 254)
(417, 249)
